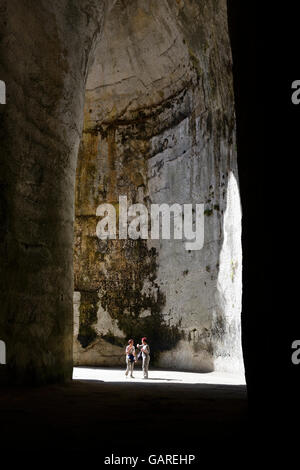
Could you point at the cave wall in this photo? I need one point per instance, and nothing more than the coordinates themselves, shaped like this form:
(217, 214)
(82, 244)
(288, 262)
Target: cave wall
(45, 49)
(159, 127)
(165, 114)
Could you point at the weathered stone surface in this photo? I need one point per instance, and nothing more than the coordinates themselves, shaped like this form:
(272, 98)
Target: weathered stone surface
(45, 49)
(159, 127)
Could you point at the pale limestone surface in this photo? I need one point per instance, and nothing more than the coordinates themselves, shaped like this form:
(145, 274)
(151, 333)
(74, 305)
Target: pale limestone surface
(160, 128)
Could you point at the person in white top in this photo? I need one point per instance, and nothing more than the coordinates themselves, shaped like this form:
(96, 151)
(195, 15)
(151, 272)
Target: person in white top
(130, 358)
(145, 350)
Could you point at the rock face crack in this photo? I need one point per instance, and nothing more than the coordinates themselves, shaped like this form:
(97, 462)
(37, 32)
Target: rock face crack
(112, 84)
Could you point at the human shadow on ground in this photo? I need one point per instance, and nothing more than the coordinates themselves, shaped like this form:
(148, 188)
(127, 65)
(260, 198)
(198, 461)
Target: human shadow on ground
(165, 380)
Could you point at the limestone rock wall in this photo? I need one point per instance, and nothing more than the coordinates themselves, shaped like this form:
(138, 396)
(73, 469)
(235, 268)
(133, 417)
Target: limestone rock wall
(159, 127)
(45, 50)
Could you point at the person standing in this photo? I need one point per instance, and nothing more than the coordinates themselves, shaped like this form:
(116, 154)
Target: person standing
(145, 351)
(130, 358)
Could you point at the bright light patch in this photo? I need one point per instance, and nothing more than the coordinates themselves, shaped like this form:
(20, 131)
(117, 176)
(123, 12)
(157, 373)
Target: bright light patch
(104, 374)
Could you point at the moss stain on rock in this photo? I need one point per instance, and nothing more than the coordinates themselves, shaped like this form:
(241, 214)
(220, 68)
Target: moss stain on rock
(121, 273)
(87, 318)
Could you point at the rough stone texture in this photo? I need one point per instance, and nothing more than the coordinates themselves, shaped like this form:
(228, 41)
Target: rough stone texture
(45, 49)
(159, 127)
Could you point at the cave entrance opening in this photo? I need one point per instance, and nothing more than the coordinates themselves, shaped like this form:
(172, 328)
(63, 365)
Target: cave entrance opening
(159, 128)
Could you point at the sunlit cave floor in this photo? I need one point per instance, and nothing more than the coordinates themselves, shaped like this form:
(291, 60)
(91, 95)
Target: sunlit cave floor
(105, 374)
(102, 412)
